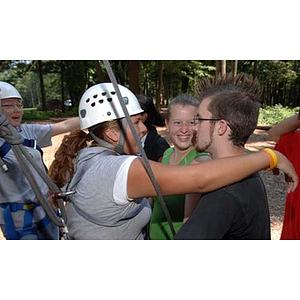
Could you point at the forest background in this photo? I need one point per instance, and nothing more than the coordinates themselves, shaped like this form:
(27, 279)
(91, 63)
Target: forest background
(46, 84)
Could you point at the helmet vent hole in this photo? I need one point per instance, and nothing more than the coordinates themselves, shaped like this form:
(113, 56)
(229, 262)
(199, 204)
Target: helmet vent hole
(95, 96)
(101, 101)
(109, 99)
(108, 113)
(93, 104)
(113, 92)
(104, 93)
(87, 100)
(83, 113)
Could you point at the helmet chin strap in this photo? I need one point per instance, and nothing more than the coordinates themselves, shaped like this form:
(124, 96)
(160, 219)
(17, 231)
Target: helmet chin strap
(120, 147)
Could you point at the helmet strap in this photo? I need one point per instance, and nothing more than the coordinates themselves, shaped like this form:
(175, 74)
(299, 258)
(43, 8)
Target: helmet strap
(120, 147)
(101, 142)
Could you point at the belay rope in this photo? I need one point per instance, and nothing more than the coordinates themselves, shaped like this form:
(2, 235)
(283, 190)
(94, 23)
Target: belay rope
(142, 151)
(11, 136)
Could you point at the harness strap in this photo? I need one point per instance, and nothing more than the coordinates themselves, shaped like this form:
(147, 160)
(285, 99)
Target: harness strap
(27, 142)
(4, 149)
(11, 232)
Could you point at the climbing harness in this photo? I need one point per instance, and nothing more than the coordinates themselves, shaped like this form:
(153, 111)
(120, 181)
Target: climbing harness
(14, 142)
(138, 141)
(10, 231)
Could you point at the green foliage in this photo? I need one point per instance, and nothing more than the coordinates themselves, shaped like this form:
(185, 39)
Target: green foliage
(68, 79)
(272, 115)
(32, 114)
(277, 70)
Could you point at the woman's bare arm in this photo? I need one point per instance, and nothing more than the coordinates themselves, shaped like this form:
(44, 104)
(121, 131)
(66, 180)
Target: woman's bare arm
(203, 177)
(286, 126)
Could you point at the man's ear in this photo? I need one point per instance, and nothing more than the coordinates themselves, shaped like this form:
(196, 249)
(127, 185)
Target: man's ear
(112, 134)
(222, 127)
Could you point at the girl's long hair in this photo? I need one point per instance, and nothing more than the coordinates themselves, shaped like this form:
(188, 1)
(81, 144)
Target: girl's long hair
(62, 167)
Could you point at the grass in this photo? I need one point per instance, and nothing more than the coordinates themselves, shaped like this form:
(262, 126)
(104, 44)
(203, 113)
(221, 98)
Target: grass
(32, 114)
(268, 116)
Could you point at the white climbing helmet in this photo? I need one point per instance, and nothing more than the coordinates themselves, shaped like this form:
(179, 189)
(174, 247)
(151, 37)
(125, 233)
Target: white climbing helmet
(8, 91)
(100, 103)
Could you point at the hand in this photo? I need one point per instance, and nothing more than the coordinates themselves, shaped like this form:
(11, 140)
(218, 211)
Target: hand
(290, 174)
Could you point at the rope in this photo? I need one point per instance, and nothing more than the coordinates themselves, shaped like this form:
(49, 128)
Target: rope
(142, 151)
(11, 135)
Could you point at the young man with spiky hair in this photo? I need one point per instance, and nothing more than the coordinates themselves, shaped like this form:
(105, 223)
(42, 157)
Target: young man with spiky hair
(228, 115)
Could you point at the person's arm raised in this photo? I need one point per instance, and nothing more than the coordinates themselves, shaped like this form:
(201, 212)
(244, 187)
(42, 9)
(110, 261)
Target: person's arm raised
(65, 126)
(203, 177)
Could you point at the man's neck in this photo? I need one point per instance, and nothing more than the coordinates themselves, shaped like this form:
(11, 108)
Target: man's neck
(227, 150)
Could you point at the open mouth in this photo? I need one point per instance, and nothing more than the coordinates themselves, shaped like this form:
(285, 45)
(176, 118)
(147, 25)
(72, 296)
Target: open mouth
(16, 118)
(184, 138)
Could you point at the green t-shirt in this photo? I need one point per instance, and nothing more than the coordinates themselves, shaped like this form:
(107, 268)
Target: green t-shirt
(159, 226)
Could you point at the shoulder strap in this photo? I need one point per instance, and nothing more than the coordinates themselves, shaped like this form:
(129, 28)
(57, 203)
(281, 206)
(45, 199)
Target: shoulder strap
(4, 149)
(28, 143)
(167, 155)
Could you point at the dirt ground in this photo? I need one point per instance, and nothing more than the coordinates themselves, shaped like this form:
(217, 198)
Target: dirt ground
(275, 186)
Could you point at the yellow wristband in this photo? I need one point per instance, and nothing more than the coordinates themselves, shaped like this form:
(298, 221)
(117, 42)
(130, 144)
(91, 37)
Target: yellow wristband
(273, 158)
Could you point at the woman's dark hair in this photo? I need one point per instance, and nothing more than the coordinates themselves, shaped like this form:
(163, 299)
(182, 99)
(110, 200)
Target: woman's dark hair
(154, 117)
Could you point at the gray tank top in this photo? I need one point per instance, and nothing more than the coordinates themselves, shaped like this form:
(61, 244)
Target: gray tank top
(92, 211)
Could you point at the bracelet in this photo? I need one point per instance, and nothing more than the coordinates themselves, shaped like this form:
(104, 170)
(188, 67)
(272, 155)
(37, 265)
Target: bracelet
(273, 158)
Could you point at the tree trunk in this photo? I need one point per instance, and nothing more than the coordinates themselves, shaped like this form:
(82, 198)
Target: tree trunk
(185, 84)
(234, 64)
(40, 69)
(255, 67)
(217, 69)
(62, 88)
(159, 91)
(220, 69)
(99, 72)
(133, 72)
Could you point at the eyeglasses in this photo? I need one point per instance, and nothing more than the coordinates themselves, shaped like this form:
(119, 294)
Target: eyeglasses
(198, 119)
(12, 106)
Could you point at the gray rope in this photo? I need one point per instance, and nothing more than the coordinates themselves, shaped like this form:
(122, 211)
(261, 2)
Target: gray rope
(11, 135)
(142, 151)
